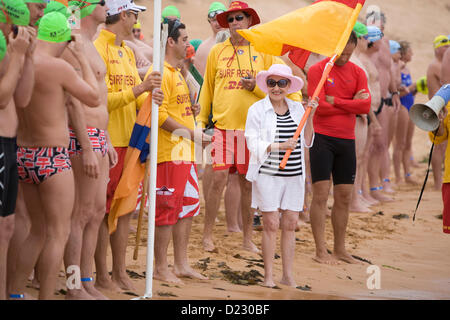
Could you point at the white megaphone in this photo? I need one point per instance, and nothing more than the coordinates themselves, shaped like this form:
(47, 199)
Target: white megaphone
(426, 116)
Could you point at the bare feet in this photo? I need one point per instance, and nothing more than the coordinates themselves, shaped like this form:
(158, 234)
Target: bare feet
(380, 197)
(106, 284)
(288, 281)
(326, 258)
(388, 187)
(358, 206)
(344, 256)
(166, 276)
(78, 294)
(250, 246)
(123, 281)
(268, 283)
(94, 292)
(234, 229)
(371, 201)
(410, 180)
(208, 246)
(188, 272)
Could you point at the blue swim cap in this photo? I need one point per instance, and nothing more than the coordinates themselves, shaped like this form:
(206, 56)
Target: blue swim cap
(374, 33)
(394, 46)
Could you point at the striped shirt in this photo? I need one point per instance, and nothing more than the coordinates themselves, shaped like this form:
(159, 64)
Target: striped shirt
(285, 130)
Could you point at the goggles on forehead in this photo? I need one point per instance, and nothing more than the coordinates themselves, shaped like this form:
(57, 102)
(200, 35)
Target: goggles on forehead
(213, 14)
(176, 25)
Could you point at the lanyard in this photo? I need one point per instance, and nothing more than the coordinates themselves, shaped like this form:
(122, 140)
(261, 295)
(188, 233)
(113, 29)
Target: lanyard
(237, 57)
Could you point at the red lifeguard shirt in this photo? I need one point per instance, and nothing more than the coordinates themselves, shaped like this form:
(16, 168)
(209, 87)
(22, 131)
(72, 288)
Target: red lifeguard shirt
(342, 83)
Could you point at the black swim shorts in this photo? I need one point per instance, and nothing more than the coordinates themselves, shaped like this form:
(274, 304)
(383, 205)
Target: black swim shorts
(333, 156)
(9, 179)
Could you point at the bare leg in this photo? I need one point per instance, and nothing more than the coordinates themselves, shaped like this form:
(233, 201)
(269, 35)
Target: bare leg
(6, 232)
(206, 180)
(387, 121)
(103, 279)
(400, 143)
(271, 221)
(232, 200)
(407, 155)
(212, 204)
(437, 159)
(162, 239)
(288, 223)
(119, 241)
(339, 220)
(247, 214)
(181, 231)
(22, 227)
(319, 210)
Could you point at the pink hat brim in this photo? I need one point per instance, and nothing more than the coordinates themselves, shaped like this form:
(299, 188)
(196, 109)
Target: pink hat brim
(296, 82)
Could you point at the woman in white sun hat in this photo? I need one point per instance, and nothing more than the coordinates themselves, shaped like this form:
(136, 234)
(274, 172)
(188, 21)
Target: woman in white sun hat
(271, 124)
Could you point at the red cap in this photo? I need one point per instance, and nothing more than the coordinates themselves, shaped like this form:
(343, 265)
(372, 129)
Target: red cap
(237, 6)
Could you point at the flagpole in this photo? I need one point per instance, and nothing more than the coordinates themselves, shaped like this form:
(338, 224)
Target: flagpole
(325, 74)
(153, 154)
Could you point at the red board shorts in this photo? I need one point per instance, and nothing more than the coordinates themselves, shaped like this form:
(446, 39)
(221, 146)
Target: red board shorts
(446, 211)
(229, 151)
(177, 195)
(114, 175)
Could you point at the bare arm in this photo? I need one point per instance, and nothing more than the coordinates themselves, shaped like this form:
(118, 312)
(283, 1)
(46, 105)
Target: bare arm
(445, 70)
(25, 86)
(433, 81)
(194, 135)
(16, 51)
(78, 123)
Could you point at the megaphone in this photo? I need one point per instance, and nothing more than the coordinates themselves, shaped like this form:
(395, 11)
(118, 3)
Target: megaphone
(426, 116)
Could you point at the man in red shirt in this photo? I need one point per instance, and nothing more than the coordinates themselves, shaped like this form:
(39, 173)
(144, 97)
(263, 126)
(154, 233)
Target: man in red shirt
(344, 95)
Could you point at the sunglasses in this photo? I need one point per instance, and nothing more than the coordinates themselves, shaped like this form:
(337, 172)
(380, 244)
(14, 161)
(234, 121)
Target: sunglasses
(238, 18)
(443, 41)
(213, 14)
(282, 83)
(177, 23)
(101, 2)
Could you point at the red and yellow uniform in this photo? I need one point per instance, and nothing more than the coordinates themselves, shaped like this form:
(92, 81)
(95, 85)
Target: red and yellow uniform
(121, 76)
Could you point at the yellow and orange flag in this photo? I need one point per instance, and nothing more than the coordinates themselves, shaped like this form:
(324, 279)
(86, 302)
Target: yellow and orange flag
(323, 27)
(127, 191)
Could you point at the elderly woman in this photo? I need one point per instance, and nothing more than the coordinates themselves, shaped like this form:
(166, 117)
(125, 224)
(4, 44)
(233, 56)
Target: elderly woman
(271, 124)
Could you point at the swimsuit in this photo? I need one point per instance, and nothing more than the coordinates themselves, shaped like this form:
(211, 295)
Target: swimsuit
(36, 165)
(407, 100)
(9, 181)
(98, 141)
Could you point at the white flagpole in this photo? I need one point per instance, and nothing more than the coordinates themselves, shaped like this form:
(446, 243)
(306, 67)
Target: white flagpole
(153, 154)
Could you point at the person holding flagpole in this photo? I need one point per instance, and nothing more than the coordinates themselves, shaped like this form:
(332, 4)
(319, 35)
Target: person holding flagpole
(177, 196)
(126, 94)
(344, 95)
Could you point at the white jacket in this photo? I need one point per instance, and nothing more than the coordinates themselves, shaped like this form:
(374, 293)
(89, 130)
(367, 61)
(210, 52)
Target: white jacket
(260, 131)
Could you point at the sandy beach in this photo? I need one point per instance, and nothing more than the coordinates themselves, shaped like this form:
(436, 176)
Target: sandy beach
(413, 257)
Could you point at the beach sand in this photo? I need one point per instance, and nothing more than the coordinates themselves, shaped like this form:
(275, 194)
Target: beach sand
(413, 257)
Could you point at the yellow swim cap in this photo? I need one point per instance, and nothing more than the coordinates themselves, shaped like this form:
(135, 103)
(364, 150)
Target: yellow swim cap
(441, 41)
(137, 25)
(421, 85)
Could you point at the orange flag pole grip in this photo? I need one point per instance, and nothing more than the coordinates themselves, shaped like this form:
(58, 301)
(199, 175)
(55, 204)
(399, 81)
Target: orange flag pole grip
(325, 74)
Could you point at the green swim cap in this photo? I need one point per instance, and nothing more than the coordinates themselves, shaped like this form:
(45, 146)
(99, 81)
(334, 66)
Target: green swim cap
(3, 45)
(171, 11)
(17, 12)
(55, 6)
(195, 43)
(54, 28)
(360, 29)
(216, 6)
(86, 6)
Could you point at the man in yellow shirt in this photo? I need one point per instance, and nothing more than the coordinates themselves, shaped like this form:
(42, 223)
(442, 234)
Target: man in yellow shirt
(230, 87)
(177, 196)
(126, 93)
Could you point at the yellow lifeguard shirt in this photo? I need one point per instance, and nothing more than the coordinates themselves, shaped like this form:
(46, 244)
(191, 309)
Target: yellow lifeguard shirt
(177, 105)
(121, 76)
(222, 86)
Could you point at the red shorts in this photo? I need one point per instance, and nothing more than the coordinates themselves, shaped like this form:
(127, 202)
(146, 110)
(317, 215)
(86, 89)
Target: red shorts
(177, 195)
(114, 175)
(229, 151)
(446, 211)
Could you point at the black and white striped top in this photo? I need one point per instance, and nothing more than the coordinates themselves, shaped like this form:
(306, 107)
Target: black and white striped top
(285, 129)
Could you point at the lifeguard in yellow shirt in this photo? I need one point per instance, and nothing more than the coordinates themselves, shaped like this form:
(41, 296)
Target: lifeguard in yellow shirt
(230, 89)
(177, 196)
(126, 93)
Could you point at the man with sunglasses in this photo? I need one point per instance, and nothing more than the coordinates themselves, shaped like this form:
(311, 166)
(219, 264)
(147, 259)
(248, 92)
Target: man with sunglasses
(126, 94)
(440, 45)
(230, 87)
(344, 95)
